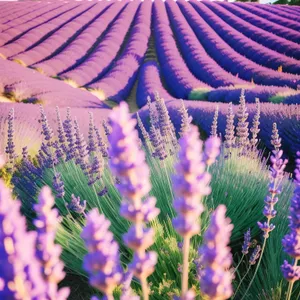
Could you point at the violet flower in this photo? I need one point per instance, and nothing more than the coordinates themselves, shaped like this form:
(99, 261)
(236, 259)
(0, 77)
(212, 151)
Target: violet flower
(142, 128)
(10, 147)
(275, 138)
(255, 124)
(106, 128)
(81, 148)
(102, 263)
(48, 253)
(229, 130)
(247, 242)
(128, 164)
(216, 257)
(186, 120)
(212, 150)
(290, 273)
(153, 115)
(214, 126)
(255, 255)
(126, 289)
(58, 185)
(276, 175)
(60, 132)
(70, 135)
(77, 205)
(101, 144)
(20, 276)
(91, 137)
(158, 144)
(242, 131)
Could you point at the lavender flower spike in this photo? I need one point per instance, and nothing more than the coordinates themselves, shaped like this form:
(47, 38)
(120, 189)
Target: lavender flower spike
(58, 185)
(76, 205)
(20, 276)
(275, 138)
(214, 126)
(242, 131)
(128, 165)
(212, 150)
(292, 240)
(102, 263)
(255, 255)
(216, 278)
(142, 128)
(10, 147)
(247, 242)
(48, 252)
(255, 125)
(229, 131)
(190, 183)
(185, 120)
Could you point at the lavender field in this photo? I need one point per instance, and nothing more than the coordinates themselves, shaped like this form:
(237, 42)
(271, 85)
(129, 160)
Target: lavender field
(149, 150)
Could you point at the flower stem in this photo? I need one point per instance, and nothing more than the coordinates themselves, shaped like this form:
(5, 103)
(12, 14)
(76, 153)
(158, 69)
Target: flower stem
(241, 281)
(236, 268)
(256, 269)
(291, 284)
(185, 268)
(145, 288)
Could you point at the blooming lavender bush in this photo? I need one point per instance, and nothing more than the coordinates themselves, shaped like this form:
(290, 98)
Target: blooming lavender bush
(138, 185)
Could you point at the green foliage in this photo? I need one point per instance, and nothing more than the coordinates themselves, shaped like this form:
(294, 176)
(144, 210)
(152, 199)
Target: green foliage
(198, 94)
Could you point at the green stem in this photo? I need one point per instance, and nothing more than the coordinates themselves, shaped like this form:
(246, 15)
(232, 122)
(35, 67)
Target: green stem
(241, 281)
(291, 284)
(185, 268)
(145, 288)
(236, 268)
(256, 269)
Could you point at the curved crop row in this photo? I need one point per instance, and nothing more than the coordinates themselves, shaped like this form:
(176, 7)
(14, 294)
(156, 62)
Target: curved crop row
(198, 61)
(75, 51)
(262, 32)
(150, 83)
(13, 34)
(27, 15)
(36, 35)
(231, 60)
(9, 13)
(178, 77)
(293, 12)
(100, 59)
(26, 85)
(59, 37)
(245, 46)
(118, 82)
(274, 16)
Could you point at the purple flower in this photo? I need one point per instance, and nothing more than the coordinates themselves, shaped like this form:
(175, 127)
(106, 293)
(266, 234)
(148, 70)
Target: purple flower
(101, 144)
(275, 139)
(46, 130)
(48, 252)
(214, 126)
(290, 273)
(152, 114)
(102, 263)
(142, 128)
(10, 147)
(106, 128)
(242, 131)
(126, 289)
(255, 124)
(211, 149)
(103, 192)
(189, 295)
(255, 255)
(58, 185)
(128, 164)
(216, 258)
(158, 144)
(81, 147)
(190, 183)
(186, 120)
(20, 276)
(229, 131)
(60, 132)
(77, 205)
(247, 242)
(276, 175)
(91, 138)
(70, 135)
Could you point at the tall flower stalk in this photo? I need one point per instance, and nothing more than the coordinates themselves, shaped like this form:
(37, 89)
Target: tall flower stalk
(276, 175)
(191, 183)
(255, 125)
(291, 241)
(128, 164)
(216, 257)
(10, 147)
(229, 130)
(214, 126)
(186, 120)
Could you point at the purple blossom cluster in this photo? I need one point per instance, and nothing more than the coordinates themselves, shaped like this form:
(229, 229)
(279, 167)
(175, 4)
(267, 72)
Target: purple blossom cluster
(30, 267)
(215, 281)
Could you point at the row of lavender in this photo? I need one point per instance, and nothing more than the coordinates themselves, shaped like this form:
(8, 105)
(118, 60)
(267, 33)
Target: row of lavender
(212, 51)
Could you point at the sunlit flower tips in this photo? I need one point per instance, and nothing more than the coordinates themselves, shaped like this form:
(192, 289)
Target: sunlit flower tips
(247, 242)
(216, 258)
(187, 225)
(139, 239)
(143, 266)
(146, 212)
(290, 273)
